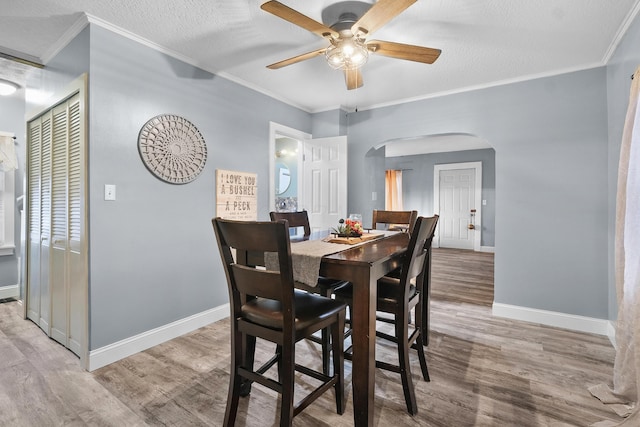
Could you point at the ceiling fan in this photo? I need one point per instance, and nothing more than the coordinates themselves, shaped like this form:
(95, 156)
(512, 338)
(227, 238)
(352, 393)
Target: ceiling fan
(349, 48)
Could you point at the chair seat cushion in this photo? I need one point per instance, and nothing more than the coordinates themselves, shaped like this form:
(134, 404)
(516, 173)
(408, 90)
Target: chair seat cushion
(326, 283)
(324, 287)
(310, 308)
(388, 291)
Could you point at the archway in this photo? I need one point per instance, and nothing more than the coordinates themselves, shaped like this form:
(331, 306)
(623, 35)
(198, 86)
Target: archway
(418, 157)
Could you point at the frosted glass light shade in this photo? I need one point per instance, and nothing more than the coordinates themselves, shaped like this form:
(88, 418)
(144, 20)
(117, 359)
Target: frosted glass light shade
(7, 87)
(347, 54)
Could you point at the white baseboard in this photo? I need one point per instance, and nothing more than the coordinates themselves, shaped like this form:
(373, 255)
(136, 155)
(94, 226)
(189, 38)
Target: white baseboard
(491, 249)
(611, 333)
(11, 291)
(553, 318)
(119, 350)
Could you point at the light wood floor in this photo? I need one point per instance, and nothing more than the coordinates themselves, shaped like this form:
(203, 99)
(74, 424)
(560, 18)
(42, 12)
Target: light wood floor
(485, 371)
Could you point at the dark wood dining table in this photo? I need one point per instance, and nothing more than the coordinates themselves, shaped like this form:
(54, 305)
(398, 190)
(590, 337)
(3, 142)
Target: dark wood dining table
(363, 265)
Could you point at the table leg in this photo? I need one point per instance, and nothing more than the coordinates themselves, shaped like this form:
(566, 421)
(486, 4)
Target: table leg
(364, 346)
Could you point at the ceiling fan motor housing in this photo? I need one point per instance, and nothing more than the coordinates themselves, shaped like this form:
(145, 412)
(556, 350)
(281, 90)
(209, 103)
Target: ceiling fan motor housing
(345, 22)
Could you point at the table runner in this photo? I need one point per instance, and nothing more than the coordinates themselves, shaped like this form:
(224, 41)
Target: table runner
(307, 256)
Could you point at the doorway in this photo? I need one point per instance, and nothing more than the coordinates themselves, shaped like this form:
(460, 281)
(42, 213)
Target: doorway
(285, 166)
(457, 199)
(308, 174)
(286, 173)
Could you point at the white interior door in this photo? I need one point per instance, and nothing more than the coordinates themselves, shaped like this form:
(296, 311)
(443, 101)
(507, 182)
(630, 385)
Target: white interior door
(457, 189)
(325, 181)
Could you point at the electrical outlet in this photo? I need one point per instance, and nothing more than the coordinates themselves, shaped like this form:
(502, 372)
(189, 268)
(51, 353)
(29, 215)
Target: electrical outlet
(109, 192)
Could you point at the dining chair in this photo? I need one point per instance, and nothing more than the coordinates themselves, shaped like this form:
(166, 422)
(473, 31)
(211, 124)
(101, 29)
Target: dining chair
(265, 304)
(296, 220)
(324, 287)
(394, 220)
(398, 296)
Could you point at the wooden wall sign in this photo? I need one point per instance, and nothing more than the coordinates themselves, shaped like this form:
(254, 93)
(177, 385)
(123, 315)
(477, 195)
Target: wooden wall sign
(236, 195)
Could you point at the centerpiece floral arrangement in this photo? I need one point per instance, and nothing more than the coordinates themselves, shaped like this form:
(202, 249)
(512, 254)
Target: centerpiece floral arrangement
(349, 228)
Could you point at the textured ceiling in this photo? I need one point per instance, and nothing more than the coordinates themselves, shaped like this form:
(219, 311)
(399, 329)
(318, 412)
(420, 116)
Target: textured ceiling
(483, 43)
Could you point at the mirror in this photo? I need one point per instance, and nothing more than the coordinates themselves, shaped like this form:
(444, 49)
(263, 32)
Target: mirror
(285, 165)
(283, 178)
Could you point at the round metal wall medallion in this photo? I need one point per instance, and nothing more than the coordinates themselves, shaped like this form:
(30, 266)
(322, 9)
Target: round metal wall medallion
(172, 148)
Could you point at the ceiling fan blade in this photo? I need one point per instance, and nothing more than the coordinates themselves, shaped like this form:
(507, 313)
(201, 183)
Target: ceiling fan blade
(409, 52)
(285, 12)
(380, 13)
(296, 59)
(353, 78)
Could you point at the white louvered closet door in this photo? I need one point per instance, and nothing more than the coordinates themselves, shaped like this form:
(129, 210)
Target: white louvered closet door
(33, 212)
(56, 262)
(76, 247)
(58, 242)
(39, 174)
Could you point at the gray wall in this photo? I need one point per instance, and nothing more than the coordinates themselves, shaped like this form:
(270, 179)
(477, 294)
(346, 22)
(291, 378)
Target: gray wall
(550, 139)
(153, 258)
(329, 123)
(417, 183)
(153, 254)
(619, 70)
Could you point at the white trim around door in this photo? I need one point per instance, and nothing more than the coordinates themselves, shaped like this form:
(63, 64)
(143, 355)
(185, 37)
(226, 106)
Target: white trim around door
(477, 199)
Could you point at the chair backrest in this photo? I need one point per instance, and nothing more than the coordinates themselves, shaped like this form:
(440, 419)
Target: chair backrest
(246, 281)
(405, 218)
(295, 219)
(423, 280)
(417, 257)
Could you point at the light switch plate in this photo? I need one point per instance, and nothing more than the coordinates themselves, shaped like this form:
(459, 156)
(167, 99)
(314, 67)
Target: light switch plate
(109, 192)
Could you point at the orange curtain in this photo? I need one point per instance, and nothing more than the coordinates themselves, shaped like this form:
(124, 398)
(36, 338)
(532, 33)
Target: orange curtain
(393, 191)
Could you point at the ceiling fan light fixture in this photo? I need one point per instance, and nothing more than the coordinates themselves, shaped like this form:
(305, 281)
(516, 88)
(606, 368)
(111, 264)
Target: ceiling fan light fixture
(347, 54)
(7, 87)
(354, 22)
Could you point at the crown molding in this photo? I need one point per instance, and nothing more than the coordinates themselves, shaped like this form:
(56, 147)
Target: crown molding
(152, 45)
(66, 38)
(86, 19)
(483, 86)
(622, 30)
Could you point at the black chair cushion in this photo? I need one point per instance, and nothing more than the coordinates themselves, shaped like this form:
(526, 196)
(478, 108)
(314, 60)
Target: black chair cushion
(326, 283)
(324, 287)
(310, 308)
(388, 291)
